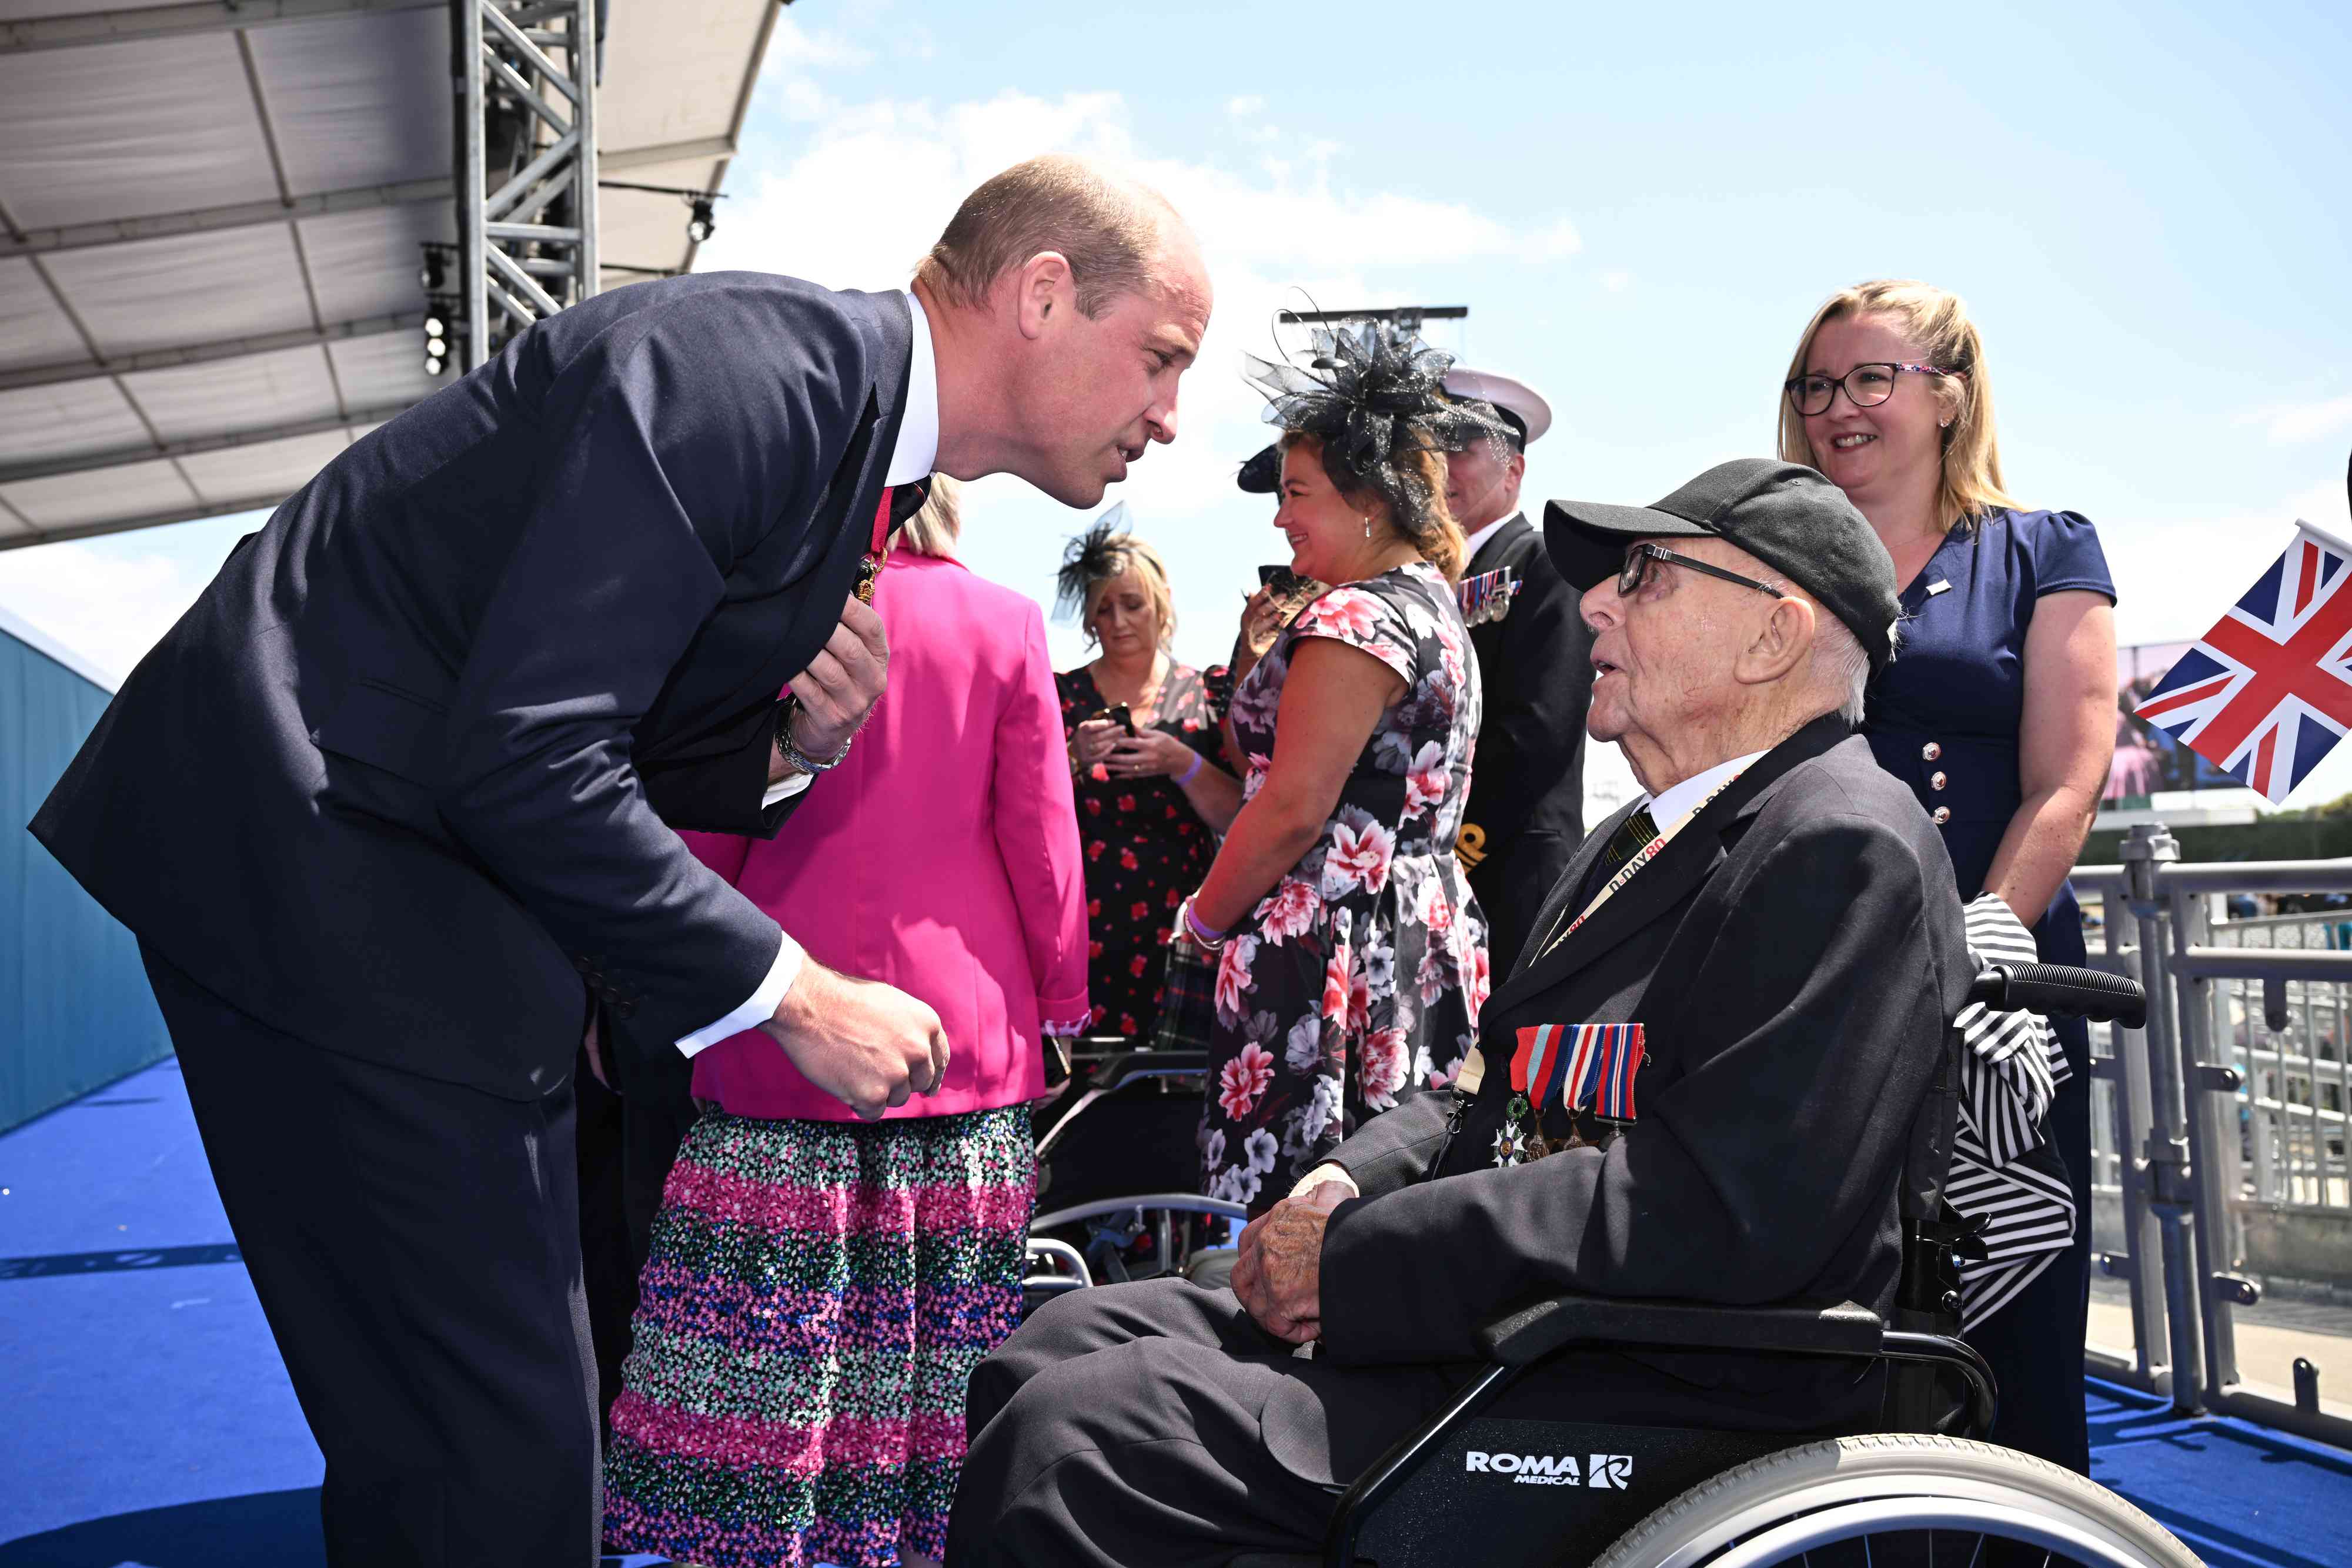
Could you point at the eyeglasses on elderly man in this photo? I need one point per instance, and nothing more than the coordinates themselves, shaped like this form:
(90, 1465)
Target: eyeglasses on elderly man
(1641, 558)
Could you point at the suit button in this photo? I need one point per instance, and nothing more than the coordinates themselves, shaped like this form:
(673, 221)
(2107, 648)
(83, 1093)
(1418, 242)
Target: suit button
(581, 963)
(1941, 815)
(624, 1009)
(1937, 780)
(1929, 752)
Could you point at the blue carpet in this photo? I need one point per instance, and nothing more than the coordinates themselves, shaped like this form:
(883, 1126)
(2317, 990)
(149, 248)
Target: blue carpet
(150, 1424)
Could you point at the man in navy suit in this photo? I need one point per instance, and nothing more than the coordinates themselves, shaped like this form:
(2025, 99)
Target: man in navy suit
(391, 808)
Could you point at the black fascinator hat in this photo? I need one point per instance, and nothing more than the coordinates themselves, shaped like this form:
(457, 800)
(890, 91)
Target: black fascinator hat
(1094, 556)
(1373, 397)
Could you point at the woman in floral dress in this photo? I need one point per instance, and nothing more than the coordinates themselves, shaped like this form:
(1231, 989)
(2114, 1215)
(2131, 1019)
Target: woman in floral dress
(1351, 956)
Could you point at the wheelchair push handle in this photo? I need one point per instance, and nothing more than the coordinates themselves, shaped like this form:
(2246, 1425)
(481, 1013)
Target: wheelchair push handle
(2061, 991)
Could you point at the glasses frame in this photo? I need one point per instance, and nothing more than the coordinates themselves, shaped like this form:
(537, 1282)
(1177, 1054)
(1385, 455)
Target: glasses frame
(1845, 383)
(1636, 571)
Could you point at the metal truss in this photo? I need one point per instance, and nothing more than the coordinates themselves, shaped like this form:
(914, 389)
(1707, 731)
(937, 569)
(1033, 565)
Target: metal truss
(526, 72)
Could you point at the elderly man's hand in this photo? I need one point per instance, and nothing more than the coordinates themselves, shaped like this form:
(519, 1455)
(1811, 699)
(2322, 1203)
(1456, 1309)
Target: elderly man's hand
(1279, 1273)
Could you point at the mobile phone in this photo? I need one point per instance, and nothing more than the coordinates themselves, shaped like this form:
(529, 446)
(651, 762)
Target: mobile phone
(1121, 716)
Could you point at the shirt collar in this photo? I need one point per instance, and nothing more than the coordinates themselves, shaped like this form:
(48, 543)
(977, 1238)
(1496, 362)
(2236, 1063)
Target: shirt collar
(1470, 546)
(1681, 800)
(918, 431)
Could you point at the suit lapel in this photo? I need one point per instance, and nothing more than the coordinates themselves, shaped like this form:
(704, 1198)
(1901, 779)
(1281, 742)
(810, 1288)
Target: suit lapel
(1490, 554)
(1579, 866)
(1689, 859)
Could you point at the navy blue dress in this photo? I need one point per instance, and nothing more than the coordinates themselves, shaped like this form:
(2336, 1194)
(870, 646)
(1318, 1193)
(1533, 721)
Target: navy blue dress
(1944, 717)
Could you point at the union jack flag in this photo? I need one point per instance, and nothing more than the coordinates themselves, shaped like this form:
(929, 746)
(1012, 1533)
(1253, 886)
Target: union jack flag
(2268, 691)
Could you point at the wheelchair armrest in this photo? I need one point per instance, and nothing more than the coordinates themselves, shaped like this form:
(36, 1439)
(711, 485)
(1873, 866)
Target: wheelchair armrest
(1129, 1066)
(1528, 1335)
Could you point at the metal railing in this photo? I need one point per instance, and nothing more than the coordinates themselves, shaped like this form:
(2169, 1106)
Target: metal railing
(2218, 1099)
(2298, 1080)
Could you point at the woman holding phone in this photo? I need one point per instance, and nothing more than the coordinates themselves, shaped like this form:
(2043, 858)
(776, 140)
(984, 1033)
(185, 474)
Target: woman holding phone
(1146, 758)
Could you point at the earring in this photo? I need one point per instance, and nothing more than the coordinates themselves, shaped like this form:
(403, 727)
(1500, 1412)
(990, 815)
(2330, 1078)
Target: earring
(1367, 524)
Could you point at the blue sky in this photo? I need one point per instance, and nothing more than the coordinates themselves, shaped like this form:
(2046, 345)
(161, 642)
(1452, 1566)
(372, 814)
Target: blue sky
(2146, 207)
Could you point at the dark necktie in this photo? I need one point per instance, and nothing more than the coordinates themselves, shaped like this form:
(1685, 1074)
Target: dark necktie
(1624, 843)
(906, 500)
(1632, 833)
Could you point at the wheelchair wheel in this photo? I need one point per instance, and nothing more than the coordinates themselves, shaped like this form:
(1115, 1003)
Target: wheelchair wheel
(1897, 1500)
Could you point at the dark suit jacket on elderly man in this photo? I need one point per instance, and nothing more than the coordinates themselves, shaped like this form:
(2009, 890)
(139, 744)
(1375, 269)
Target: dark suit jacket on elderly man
(1794, 952)
(397, 798)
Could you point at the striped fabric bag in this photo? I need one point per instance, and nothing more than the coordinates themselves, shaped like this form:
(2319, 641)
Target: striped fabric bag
(2004, 1171)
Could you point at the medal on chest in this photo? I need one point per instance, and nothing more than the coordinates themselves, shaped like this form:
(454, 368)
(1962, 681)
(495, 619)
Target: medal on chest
(1487, 596)
(1575, 1066)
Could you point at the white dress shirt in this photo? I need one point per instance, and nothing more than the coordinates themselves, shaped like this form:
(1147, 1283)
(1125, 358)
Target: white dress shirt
(1471, 545)
(1681, 800)
(911, 459)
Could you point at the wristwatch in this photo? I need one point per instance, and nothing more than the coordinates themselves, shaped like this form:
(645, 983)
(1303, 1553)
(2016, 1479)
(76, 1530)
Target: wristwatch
(791, 753)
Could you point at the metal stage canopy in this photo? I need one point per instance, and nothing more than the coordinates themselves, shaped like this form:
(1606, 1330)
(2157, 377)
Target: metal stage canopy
(212, 218)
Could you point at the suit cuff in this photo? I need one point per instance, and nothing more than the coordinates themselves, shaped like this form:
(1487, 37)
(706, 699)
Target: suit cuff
(778, 793)
(760, 1005)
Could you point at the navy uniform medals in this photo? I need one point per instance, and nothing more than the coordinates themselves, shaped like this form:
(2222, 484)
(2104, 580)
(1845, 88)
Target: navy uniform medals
(1487, 596)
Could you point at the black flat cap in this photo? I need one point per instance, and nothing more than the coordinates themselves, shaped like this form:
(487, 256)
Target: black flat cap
(1262, 474)
(1788, 517)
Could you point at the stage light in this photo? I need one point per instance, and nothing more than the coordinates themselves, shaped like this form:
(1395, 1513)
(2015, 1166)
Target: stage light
(434, 363)
(704, 222)
(435, 274)
(435, 328)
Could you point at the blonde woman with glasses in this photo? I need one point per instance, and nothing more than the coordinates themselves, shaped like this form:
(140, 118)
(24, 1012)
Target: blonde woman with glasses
(1999, 713)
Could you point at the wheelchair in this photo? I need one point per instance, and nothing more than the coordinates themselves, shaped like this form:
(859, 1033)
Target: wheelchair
(1464, 1488)
(1117, 1161)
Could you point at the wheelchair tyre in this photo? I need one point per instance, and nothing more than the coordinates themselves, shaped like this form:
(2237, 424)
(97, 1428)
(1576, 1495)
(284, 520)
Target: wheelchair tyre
(1779, 1507)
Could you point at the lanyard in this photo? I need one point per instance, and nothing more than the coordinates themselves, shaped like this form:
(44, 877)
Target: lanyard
(1634, 864)
(878, 555)
(1473, 1069)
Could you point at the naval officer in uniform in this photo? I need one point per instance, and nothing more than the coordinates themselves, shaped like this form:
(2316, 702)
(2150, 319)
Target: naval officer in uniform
(1526, 813)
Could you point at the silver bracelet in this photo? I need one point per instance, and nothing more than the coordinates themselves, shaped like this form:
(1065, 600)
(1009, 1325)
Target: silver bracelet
(791, 753)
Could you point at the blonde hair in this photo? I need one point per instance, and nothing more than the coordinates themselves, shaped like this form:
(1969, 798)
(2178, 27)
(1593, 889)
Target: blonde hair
(1130, 556)
(1936, 321)
(1107, 229)
(1439, 540)
(935, 529)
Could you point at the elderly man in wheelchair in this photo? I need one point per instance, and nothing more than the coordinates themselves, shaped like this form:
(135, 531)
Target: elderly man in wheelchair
(1519, 1319)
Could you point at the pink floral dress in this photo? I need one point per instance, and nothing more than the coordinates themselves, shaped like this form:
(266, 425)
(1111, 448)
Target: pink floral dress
(1357, 980)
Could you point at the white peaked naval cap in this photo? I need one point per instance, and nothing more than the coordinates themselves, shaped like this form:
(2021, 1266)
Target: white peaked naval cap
(1516, 398)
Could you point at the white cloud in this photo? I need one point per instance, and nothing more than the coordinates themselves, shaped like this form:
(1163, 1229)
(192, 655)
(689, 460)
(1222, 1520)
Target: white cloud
(105, 607)
(2179, 575)
(792, 47)
(1245, 106)
(2294, 422)
(887, 173)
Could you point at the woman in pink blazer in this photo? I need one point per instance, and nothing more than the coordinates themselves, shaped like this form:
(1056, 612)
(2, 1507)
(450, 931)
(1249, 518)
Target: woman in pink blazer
(820, 1286)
